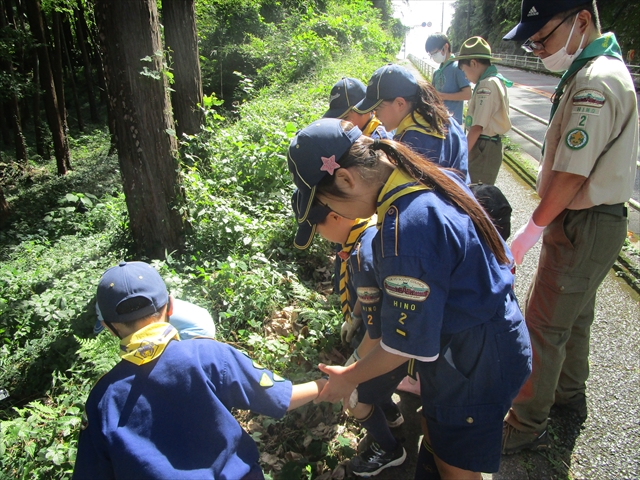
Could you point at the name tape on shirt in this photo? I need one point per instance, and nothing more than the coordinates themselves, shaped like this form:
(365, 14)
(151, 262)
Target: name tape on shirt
(368, 295)
(406, 288)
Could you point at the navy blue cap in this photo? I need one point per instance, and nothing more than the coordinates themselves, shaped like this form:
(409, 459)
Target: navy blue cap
(314, 153)
(536, 13)
(120, 285)
(344, 95)
(307, 228)
(387, 83)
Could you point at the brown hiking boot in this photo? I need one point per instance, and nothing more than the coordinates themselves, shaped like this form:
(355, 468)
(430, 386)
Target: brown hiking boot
(514, 440)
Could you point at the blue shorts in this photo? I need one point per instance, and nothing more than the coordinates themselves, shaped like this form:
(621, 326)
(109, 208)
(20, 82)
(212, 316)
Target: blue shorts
(468, 390)
(378, 390)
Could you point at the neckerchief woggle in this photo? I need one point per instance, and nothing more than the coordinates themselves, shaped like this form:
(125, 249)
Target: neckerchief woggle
(371, 126)
(606, 45)
(398, 184)
(492, 71)
(358, 228)
(148, 343)
(415, 121)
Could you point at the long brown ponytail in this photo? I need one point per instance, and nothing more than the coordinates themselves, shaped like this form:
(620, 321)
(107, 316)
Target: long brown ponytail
(365, 154)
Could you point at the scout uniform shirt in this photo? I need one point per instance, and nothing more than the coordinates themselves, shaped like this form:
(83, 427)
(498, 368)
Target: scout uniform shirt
(448, 151)
(448, 78)
(164, 411)
(489, 105)
(594, 129)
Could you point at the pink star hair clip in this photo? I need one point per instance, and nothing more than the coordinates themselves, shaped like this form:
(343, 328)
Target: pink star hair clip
(329, 164)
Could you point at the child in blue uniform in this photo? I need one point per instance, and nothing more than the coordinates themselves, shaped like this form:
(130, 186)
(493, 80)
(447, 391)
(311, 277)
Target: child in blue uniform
(371, 404)
(420, 119)
(444, 277)
(164, 410)
(345, 94)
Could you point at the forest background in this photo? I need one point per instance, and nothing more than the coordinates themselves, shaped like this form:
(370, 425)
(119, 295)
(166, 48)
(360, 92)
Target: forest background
(167, 143)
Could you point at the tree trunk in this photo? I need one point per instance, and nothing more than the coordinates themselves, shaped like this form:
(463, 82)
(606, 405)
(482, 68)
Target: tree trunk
(60, 145)
(71, 74)
(41, 147)
(4, 208)
(4, 127)
(82, 41)
(129, 31)
(13, 102)
(57, 71)
(180, 33)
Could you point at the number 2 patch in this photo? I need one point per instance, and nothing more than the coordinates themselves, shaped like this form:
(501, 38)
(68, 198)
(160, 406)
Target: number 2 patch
(577, 138)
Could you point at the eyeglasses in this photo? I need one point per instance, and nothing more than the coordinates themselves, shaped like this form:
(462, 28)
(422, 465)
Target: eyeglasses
(532, 46)
(431, 54)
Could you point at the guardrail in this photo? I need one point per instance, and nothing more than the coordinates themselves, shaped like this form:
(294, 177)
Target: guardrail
(422, 65)
(535, 64)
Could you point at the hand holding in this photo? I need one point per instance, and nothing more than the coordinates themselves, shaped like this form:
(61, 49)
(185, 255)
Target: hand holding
(338, 387)
(525, 238)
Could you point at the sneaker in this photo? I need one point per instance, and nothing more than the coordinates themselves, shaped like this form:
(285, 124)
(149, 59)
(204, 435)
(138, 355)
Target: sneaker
(394, 416)
(514, 440)
(373, 460)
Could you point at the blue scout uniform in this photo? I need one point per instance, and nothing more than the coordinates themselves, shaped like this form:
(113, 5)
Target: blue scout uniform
(448, 78)
(448, 151)
(364, 287)
(169, 416)
(448, 304)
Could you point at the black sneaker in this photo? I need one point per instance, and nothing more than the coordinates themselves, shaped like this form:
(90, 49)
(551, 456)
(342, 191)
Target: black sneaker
(394, 416)
(373, 460)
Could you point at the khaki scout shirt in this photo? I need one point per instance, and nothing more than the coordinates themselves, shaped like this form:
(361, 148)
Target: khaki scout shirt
(594, 133)
(489, 107)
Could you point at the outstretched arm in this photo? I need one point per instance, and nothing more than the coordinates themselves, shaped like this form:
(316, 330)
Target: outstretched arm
(343, 380)
(305, 392)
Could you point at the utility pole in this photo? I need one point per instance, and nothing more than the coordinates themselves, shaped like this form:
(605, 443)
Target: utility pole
(469, 19)
(442, 20)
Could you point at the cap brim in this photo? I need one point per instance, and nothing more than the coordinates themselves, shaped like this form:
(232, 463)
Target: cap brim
(336, 113)
(471, 57)
(525, 30)
(367, 105)
(98, 327)
(304, 235)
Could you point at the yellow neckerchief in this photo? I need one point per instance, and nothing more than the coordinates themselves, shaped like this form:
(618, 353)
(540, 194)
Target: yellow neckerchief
(419, 125)
(358, 228)
(400, 183)
(371, 126)
(148, 343)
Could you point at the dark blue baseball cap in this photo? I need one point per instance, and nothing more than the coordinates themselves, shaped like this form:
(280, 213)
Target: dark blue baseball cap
(315, 152)
(131, 291)
(307, 228)
(387, 83)
(536, 13)
(344, 95)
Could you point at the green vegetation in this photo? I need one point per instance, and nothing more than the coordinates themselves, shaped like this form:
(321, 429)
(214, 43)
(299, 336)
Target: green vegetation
(266, 297)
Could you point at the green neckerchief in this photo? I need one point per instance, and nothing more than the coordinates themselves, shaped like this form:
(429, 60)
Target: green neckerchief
(438, 74)
(606, 45)
(492, 71)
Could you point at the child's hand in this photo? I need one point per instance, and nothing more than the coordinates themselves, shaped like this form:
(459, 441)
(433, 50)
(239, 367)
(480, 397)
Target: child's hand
(337, 388)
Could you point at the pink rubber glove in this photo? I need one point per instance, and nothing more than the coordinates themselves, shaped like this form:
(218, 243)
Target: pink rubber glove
(525, 238)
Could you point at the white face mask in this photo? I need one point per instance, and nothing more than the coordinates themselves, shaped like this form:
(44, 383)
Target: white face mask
(561, 60)
(438, 57)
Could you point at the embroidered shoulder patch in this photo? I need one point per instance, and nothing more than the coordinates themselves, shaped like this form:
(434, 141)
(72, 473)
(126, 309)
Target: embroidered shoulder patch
(483, 91)
(277, 378)
(407, 288)
(368, 295)
(577, 138)
(265, 381)
(257, 365)
(468, 120)
(588, 98)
